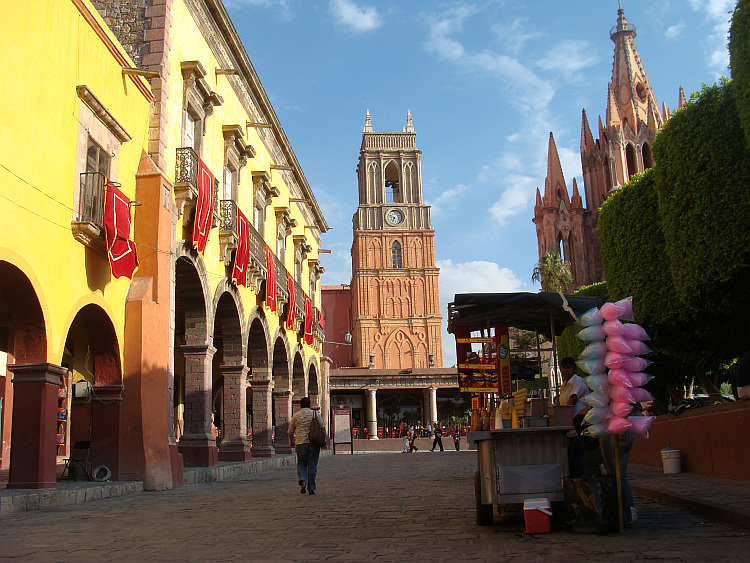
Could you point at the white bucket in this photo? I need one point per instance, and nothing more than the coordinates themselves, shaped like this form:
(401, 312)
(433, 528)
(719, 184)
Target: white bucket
(670, 458)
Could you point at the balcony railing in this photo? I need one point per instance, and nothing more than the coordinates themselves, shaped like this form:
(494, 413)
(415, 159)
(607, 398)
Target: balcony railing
(228, 241)
(319, 334)
(88, 224)
(282, 293)
(186, 183)
(299, 305)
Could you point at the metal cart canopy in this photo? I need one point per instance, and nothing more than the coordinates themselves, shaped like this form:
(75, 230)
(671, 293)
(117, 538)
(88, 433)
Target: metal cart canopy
(523, 310)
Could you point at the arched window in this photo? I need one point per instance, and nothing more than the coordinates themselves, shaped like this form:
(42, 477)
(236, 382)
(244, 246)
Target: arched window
(392, 184)
(648, 157)
(396, 254)
(632, 164)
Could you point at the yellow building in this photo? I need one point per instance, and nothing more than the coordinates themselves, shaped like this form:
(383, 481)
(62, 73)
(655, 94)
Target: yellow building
(71, 120)
(218, 333)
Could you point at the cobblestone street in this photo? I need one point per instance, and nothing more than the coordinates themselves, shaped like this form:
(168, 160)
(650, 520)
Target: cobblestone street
(386, 507)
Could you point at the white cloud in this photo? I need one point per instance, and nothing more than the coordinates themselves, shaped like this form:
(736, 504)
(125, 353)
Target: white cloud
(470, 277)
(513, 36)
(528, 92)
(357, 18)
(446, 199)
(281, 5)
(720, 13)
(569, 58)
(674, 31)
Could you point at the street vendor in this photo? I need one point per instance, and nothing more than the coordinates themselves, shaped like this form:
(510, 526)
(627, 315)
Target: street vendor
(574, 387)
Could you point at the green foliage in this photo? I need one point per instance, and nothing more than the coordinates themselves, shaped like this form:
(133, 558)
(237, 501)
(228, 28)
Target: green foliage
(739, 61)
(552, 272)
(567, 343)
(701, 181)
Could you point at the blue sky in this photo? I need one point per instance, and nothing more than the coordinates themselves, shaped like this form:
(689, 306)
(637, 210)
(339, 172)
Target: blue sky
(485, 81)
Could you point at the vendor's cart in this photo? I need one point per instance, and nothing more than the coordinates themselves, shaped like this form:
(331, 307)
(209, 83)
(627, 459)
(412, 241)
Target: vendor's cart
(517, 464)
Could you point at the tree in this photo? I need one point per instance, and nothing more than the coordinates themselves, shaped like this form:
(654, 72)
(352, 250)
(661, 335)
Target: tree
(552, 272)
(739, 61)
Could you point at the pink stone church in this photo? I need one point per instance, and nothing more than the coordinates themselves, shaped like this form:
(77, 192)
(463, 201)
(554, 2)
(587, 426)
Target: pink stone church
(623, 148)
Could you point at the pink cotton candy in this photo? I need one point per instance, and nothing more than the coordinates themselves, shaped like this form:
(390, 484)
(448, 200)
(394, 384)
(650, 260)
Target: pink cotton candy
(595, 430)
(640, 424)
(596, 415)
(597, 382)
(638, 378)
(592, 317)
(620, 408)
(594, 350)
(597, 399)
(591, 366)
(618, 425)
(619, 344)
(622, 309)
(634, 363)
(613, 360)
(592, 333)
(623, 394)
(614, 328)
(620, 377)
(640, 395)
(633, 331)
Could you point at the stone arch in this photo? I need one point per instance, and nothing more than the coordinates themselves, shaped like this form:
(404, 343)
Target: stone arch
(374, 253)
(647, 155)
(260, 400)
(229, 396)
(393, 183)
(410, 188)
(298, 377)
(282, 393)
(374, 184)
(193, 359)
(400, 349)
(92, 353)
(25, 341)
(631, 161)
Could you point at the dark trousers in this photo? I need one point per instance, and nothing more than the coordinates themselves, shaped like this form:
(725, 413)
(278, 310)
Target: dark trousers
(438, 441)
(307, 464)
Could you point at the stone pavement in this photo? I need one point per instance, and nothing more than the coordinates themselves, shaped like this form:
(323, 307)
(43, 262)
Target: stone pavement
(387, 507)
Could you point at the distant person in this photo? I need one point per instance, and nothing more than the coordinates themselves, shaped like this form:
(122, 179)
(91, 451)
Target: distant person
(438, 441)
(573, 389)
(405, 436)
(457, 440)
(307, 453)
(411, 437)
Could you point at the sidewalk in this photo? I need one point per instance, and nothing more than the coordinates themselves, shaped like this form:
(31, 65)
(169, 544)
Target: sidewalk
(721, 500)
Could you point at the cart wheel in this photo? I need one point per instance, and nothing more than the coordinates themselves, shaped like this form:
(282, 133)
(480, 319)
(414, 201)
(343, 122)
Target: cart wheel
(484, 511)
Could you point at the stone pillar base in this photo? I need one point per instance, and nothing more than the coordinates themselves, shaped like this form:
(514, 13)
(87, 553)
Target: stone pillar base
(285, 450)
(176, 459)
(263, 451)
(237, 455)
(199, 455)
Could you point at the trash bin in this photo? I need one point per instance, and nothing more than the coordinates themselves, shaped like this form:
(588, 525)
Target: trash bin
(670, 458)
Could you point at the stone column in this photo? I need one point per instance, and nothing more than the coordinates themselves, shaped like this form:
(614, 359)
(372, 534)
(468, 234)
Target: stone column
(198, 445)
(234, 446)
(372, 414)
(432, 395)
(262, 416)
(283, 412)
(106, 409)
(33, 454)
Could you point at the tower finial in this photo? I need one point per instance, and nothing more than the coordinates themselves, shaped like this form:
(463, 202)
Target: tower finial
(368, 123)
(409, 124)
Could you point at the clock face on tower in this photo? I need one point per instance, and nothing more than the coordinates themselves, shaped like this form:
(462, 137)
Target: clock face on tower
(394, 217)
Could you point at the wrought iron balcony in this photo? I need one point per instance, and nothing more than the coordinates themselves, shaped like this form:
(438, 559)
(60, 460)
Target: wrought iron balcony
(282, 293)
(229, 240)
(299, 305)
(186, 183)
(88, 224)
(319, 334)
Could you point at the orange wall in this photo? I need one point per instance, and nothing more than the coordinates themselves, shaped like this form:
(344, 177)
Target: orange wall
(712, 440)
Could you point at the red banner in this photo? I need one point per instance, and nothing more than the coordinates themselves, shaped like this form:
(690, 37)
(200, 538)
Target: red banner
(308, 321)
(204, 208)
(242, 254)
(270, 280)
(290, 306)
(123, 260)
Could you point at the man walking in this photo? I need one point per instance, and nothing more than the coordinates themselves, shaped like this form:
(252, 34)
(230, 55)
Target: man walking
(307, 453)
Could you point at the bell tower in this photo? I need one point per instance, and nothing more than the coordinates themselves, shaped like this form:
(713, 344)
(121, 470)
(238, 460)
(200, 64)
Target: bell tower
(396, 322)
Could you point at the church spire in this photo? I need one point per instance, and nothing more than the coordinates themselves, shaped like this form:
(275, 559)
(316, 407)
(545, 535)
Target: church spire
(554, 183)
(630, 86)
